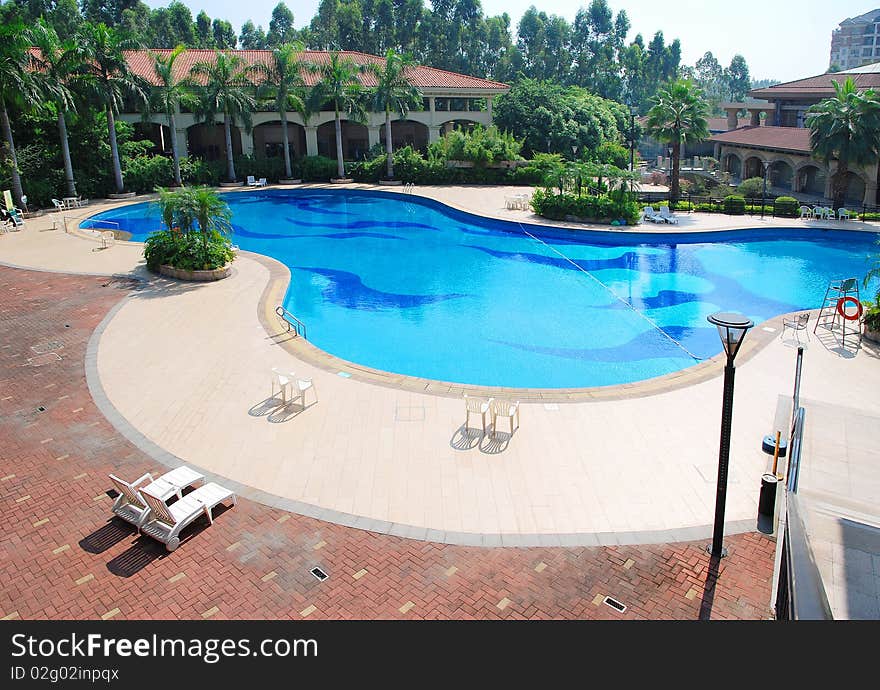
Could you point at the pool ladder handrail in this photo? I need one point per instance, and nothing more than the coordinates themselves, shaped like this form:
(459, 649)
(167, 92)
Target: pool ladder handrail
(287, 318)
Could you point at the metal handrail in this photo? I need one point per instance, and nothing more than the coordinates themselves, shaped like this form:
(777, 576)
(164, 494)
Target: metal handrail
(287, 318)
(98, 220)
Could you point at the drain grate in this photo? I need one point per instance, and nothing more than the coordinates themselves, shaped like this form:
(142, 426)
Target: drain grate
(41, 409)
(43, 348)
(616, 605)
(319, 574)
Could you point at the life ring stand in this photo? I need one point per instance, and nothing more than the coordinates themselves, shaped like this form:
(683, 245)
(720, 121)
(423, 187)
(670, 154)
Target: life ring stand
(841, 308)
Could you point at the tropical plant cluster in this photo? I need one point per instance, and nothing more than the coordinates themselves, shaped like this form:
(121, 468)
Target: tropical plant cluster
(197, 228)
(587, 192)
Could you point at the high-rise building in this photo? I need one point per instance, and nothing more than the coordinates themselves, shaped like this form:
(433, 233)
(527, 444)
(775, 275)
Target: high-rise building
(856, 41)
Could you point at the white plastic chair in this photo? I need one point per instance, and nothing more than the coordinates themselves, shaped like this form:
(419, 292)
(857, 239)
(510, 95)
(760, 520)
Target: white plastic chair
(164, 523)
(806, 212)
(667, 216)
(842, 214)
(250, 181)
(303, 385)
(476, 406)
(284, 382)
(261, 182)
(59, 205)
(504, 408)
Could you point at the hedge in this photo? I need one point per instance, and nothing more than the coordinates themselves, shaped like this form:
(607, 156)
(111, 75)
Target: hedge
(734, 205)
(786, 206)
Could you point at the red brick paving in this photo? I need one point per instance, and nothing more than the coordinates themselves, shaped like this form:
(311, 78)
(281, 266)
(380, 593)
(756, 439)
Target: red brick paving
(61, 556)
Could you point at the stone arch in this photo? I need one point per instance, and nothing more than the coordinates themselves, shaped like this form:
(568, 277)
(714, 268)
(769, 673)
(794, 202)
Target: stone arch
(268, 140)
(355, 140)
(753, 166)
(156, 132)
(855, 188)
(733, 164)
(780, 173)
(208, 141)
(406, 133)
(811, 179)
(449, 125)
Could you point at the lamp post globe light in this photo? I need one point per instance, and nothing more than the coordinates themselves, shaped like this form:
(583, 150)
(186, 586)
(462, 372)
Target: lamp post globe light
(732, 328)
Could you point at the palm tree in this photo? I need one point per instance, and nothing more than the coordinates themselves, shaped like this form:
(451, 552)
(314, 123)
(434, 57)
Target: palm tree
(678, 117)
(393, 92)
(283, 79)
(171, 92)
(227, 90)
(16, 87)
(57, 68)
(112, 79)
(846, 127)
(339, 83)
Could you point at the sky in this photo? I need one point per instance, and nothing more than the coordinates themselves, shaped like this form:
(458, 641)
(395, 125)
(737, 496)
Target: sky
(780, 39)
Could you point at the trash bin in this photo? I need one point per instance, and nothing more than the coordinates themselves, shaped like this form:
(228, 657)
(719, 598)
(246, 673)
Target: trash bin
(767, 501)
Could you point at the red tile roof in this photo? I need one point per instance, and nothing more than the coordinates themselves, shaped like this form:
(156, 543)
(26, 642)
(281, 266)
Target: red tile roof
(141, 63)
(817, 87)
(796, 139)
(719, 124)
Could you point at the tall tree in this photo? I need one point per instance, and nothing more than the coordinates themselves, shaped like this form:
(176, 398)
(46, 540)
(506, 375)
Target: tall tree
(16, 87)
(393, 92)
(204, 36)
(338, 83)
(112, 78)
(251, 37)
(281, 29)
(845, 127)
(710, 77)
(677, 117)
(171, 92)
(738, 79)
(283, 80)
(227, 90)
(57, 66)
(224, 34)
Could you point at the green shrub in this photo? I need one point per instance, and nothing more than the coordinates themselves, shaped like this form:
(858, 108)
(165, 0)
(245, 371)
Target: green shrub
(786, 206)
(603, 208)
(188, 251)
(612, 153)
(872, 315)
(317, 168)
(198, 171)
(144, 173)
(481, 145)
(751, 188)
(734, 205)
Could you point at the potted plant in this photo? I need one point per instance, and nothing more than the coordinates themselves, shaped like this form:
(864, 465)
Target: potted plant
(195, 243)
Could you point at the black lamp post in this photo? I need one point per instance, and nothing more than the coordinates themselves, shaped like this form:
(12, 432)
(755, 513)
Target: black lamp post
(732, 328)
(632, 142)
(766, 165)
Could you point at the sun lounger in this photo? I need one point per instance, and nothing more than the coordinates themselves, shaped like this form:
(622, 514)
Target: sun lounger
(250, 181)
(261, 182)
(164, 523)
(666, 216)
(130, 504)
(648, 213)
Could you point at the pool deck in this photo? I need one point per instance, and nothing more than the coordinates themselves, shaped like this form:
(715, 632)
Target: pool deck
(632, 467)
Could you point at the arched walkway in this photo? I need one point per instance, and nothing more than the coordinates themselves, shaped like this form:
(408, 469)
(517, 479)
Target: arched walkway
(447, 127)
(753, 167)
(268, 140)
(209, 141)
(780, 174)
(406, 133)
(811, 180)
(355, 141)
(733, 165)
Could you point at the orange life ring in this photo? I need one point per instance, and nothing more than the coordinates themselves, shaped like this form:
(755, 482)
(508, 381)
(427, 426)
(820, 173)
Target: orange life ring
(841, 308)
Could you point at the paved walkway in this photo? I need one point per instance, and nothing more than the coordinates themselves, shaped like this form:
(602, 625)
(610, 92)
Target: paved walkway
(61, 556)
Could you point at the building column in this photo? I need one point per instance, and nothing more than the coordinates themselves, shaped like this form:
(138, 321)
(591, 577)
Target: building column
(828, 177)
(870, 193)
(182, 142)
(796, 181)
(755, 118)
(311, 141)
(732, 119)
(372, 135)
(489, 107)
(247, 142)
(433, 134)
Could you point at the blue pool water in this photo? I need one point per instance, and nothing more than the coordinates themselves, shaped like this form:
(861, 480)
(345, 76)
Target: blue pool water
(410, 286)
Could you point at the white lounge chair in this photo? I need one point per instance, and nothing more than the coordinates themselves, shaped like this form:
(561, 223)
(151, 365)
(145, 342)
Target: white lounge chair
(261, 182)
(806, 212)
(299, 388)
(504, 408)
(164, 523)
(283, 382)
(250, 181)
(129, 504)
(476, 406)
(667, 216)
(648, 213)
(842, 214)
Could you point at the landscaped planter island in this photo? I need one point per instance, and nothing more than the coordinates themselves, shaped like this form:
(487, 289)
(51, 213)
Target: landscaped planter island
(198, 276)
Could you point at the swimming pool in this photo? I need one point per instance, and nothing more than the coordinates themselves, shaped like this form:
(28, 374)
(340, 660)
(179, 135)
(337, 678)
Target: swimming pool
(407, 285)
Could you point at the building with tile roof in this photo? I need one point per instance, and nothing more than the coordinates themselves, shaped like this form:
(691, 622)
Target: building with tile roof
(450, 99)
(782, 142)
(856, 41)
